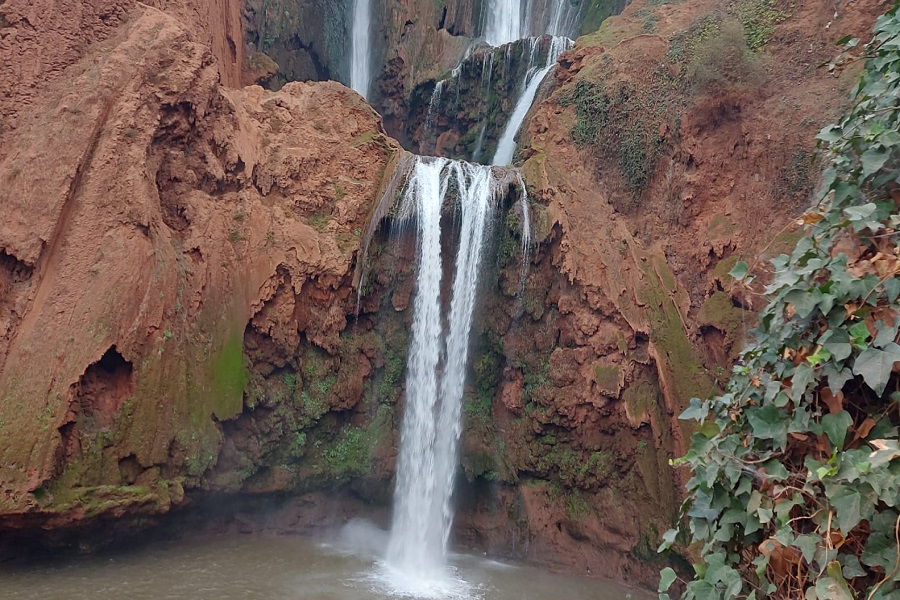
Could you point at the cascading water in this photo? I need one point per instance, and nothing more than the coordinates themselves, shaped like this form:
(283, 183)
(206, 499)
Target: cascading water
(436, 369)
(360, 69)
(416, 558)
(510, 20)
(504, 22)
(506, 146)
(553, 17)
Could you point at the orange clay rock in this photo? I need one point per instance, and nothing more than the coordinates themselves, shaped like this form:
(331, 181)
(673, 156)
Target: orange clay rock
(148, 214)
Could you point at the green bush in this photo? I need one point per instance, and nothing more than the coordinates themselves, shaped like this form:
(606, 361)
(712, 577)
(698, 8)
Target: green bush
(758, 19)
(722, 59)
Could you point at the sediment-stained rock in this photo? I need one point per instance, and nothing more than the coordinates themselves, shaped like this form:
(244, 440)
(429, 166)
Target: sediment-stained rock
(150, 214)
(179, 316)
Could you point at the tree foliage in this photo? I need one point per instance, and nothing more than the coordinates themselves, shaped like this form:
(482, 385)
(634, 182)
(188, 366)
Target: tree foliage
(795, 487)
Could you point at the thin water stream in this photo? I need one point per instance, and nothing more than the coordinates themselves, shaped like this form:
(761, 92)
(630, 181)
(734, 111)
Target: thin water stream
(259, 567)
(506, 145)
(360, 47)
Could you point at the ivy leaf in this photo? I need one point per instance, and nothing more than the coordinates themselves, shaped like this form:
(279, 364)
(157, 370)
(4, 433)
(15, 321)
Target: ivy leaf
(831, 134)
(850, 566)
(892, 287)
(833, 587)
(886, 451)
(886, 334)
(860, 334)
(839, 350)
(804, 302)
(776, 470)
(873, 159)
(847, 501)
(768, 423)
(807, 544)
(666, 578)
(836, 427)
(838, 343)
(739, 271)
(696, 411)
(837, 378)
(800, 381)
(875, 366)
(858, 213)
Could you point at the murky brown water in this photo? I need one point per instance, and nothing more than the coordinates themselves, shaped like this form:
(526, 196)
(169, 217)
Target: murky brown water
(252, 567)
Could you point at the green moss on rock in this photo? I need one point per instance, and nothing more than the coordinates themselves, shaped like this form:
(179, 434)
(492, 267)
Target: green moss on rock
(609, 379)
(229, 377)
(720, 312)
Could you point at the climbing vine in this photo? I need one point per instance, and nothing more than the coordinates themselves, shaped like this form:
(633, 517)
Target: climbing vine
(795, 487)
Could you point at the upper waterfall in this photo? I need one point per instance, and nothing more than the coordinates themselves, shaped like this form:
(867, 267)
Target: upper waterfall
(360, 55)
(506, 146)
(510, 20)
(504, 22)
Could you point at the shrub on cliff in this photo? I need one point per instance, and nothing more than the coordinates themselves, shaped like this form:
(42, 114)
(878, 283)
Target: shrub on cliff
(795, 488)
(723, 60)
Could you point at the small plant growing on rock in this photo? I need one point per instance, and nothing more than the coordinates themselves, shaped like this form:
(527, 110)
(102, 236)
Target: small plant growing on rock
(723, 60)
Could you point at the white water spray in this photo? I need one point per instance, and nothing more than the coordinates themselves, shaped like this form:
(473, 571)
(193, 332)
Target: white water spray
(436, 370)
(360, 66)
(510, 20)
(506, 145)
(503, 22)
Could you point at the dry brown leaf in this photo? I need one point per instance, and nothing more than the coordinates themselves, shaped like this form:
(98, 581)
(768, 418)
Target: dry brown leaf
(861, 268)
(834, 403)
(864, 429)
(810, 218)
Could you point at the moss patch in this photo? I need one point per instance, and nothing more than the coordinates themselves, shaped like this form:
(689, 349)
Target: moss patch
(609, 379)
(681, 365)
(718, 311)
(229, 377)
(640, 398)
(721, 226)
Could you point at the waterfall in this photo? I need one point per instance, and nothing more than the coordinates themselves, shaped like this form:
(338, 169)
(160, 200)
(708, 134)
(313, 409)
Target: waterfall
(436, 366)
(510, 20)
(506, 146)
(503, 22)
(360, 70)
(554, 17)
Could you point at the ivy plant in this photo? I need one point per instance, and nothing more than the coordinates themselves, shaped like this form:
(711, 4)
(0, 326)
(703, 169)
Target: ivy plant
(795, 469)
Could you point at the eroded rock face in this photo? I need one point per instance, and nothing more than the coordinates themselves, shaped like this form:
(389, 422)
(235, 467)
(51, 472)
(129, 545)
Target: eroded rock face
(463, 115)
(152, 218)
(628, 311)
(40, 39)
(178, 309)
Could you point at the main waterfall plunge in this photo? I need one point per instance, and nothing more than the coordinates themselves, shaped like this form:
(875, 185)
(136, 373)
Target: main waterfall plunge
(440, 195)
(416, 557)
